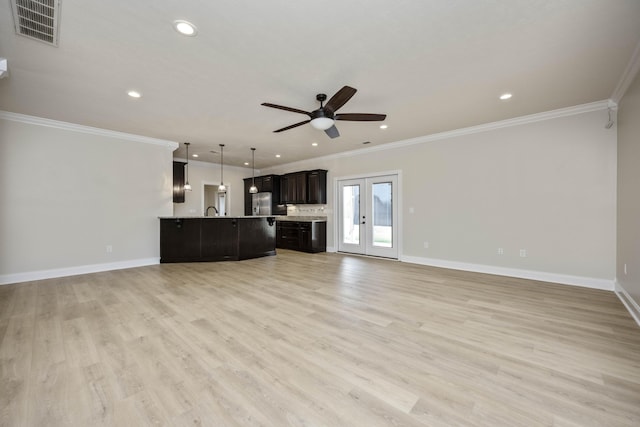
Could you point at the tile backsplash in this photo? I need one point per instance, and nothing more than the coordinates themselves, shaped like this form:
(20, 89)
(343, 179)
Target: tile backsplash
(307, 210)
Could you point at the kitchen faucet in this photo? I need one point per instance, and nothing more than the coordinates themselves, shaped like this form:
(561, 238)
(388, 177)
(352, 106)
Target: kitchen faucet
(206, 213)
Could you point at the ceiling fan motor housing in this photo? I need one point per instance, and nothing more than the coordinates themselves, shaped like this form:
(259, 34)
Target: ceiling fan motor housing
(321, 112)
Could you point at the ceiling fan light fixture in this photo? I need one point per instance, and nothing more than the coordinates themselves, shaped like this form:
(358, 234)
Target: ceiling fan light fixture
(322, 123)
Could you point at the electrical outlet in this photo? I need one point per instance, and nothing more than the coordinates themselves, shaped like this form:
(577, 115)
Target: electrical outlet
(523, 253)
(500, 251)
(426, 245)
(109, 249)
(412, 210)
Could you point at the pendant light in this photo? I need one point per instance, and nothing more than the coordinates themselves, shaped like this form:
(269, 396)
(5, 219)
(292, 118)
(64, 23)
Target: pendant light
(221, 188)
(253, 189)
(187, 186)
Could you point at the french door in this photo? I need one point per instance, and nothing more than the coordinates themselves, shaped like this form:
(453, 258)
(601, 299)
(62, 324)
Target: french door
(368, 216)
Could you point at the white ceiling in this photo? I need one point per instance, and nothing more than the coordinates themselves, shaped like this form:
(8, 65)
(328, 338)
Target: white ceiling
(430, 65)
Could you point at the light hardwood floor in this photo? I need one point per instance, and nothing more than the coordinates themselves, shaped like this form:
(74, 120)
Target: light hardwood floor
(314, 340)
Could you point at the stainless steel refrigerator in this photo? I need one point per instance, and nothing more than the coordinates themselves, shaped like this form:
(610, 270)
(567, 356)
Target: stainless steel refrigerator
(261, 204)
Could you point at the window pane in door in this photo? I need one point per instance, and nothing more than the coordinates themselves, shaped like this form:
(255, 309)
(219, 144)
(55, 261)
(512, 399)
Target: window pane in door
(382, 215)
(351, 214)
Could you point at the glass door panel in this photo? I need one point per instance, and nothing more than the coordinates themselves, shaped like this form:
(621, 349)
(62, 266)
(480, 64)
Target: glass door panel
(351, 228)
(351, 214)
(367, 216)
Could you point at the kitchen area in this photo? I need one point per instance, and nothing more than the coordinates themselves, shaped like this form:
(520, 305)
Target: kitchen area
(284, 212)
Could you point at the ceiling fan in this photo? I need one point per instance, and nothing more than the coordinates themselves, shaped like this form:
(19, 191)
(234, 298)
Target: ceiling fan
(324, 117)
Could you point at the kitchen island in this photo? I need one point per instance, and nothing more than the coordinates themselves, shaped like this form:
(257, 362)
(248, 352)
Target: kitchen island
(216, 238)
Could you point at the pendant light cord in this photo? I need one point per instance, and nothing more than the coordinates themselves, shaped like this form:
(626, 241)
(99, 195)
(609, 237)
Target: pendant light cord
(222, 164)
(253, 166)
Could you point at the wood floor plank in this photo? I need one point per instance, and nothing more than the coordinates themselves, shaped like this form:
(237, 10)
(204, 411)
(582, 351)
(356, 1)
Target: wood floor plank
(314, 340)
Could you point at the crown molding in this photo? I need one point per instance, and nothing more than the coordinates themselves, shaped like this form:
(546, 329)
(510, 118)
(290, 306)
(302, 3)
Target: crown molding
(39, 121)
(210, 165)
(628, 75)
(517, 121)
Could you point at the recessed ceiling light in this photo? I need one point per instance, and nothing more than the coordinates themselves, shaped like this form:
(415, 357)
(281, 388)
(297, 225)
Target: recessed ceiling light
(134, 94)
(505, 96)
(246, 163)
(278, 155)
(194, 155)
(185, 28)
(315, 144)
(383, 126)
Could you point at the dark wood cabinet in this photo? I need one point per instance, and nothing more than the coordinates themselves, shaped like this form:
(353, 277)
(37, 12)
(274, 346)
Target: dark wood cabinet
(256, 238)
(293, 188)
(216, 239)
(179, 239)
(317, 187)
(305, 236)
(305, 187)
(219, 239)
(178, 182)
(247, 196)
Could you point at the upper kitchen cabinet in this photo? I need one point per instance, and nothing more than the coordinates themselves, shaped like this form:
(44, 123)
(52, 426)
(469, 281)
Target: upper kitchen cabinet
(293, 188)
(178, 182)
(317, 187)
(306, 187)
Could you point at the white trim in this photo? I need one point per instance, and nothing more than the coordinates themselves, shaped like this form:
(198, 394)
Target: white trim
(517, 121)
(6, 279)
(630, 304)
(627, 76)
(565, 279)
(39, 121)
(210, 165)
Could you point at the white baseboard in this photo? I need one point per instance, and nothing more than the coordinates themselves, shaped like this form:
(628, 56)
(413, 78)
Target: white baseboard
(6, 279)
(564, 279)
(632, 306)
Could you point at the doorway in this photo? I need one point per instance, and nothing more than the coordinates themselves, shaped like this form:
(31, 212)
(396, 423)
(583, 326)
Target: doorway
(368, 216)
(211, 197)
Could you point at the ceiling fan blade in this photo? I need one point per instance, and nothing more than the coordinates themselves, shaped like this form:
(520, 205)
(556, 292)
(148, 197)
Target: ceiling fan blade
(332, 132)
(357, 117)
(293, 126)
(280, 107)
(340, 98)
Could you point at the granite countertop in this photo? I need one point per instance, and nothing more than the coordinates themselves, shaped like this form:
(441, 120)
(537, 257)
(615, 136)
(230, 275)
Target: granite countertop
(302, 218)
(216, 217)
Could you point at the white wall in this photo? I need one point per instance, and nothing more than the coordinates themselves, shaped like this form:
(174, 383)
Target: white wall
(66, 194)
(629, 196)
(545, 186)
(201, 173)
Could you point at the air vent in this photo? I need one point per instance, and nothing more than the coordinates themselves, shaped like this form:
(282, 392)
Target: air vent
(37, 19)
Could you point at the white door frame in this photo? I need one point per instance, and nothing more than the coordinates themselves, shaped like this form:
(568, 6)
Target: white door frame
(336, 201)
